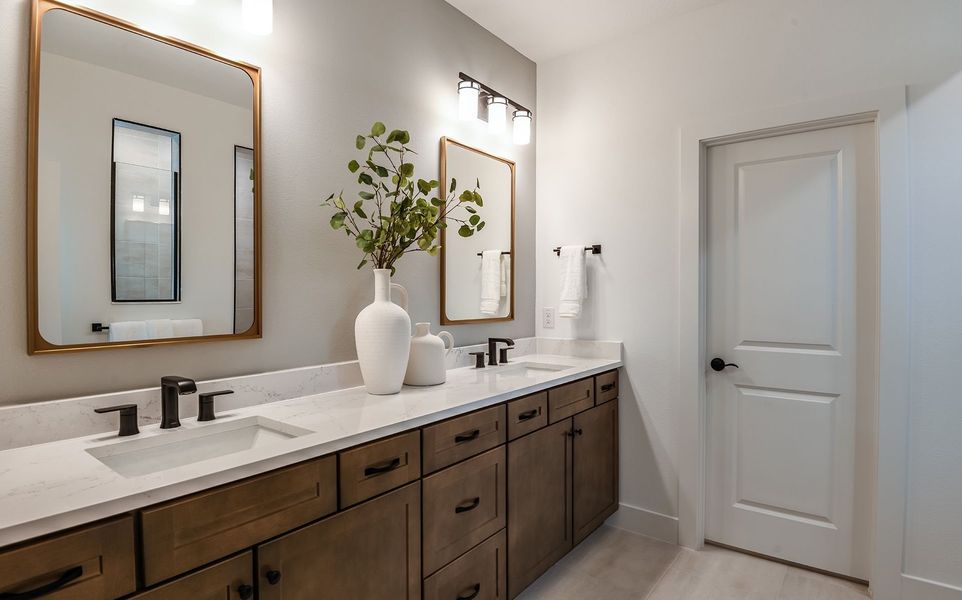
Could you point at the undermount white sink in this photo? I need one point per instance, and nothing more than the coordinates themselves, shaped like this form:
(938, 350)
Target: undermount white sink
(527, 369)
(181, 447)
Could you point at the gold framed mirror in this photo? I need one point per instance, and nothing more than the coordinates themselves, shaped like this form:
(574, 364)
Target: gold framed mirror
(143, 209)
(477, 272)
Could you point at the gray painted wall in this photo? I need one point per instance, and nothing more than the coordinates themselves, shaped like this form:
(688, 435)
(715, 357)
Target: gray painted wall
(330, 69)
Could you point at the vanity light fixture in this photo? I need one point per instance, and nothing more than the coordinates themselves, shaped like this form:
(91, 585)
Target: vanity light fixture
(472, 93)
(521, 132)
(137, 203)
(468, 92)
(258, 16)
(497, 114)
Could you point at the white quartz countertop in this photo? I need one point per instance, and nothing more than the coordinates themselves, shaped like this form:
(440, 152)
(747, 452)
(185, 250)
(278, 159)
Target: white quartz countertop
(49, 487)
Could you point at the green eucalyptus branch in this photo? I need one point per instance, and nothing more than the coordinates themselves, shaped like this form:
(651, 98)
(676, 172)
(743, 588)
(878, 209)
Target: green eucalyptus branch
(397, 214)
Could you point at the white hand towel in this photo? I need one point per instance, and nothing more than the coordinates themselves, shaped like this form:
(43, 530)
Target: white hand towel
(505, 274)
(127, 331)
(188, 327)
(574, 283)
(160, 328)
(490, 282)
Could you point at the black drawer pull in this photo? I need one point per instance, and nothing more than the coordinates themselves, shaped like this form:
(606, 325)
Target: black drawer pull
(67, 576)
(607, 387)
(470, 593)
(467, 506)
(527, 415)
(467, 436)
(273, 577)
(245, 592)
(384, 467)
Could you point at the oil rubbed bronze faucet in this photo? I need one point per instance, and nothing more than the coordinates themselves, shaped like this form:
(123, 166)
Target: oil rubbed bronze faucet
(493, 349)
(172, 388)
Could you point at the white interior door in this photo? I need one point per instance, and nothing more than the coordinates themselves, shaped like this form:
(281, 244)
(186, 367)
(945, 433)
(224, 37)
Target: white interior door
(792, 300)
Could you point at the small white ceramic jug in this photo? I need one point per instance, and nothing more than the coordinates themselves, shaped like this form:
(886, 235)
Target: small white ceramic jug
(426, 361)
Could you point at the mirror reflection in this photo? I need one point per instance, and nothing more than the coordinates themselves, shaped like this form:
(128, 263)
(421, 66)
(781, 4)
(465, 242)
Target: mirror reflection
(477, 279)
(145, 201)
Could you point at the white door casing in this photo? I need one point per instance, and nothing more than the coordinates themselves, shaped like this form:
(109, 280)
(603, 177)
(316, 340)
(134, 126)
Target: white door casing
(793, 300)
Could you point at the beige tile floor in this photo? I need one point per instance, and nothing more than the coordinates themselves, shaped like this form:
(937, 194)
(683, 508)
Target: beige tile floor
(616, 565)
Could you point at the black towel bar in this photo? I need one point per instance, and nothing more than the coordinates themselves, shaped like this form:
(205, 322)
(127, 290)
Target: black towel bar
(595, 249)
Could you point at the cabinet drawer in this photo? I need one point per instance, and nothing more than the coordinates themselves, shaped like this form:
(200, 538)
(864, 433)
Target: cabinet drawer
(90, 564)
(462, 437)
(527, 414)
(186, 533)
(232, 579)
(378, 467)
(479, 574)
(606, 387)
(569, 399)
(463, 505)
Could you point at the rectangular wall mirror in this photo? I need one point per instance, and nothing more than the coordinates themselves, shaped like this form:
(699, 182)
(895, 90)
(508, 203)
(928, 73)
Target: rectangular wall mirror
(477, 272)
(143, 206)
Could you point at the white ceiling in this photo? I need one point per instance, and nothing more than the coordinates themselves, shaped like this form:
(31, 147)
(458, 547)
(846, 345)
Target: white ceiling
(545, 29)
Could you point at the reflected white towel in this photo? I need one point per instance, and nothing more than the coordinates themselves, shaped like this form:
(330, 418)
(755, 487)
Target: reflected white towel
(188, 327)
(505, 274)
(126, 331)
(490, 282)
(160, 328)
(574, 283)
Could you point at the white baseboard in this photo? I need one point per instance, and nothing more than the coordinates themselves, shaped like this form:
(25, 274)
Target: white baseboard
(917, 588)
(645, 522)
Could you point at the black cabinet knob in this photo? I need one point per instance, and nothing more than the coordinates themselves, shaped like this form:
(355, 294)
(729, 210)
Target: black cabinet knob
(245, 592)
(273, 577)
(719, 364)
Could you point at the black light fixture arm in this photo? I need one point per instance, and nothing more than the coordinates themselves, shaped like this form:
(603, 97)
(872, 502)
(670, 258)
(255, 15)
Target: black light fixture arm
(493, 92)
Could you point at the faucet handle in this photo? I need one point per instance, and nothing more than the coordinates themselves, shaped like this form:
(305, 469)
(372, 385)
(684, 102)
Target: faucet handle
(128, 417)
(503, 354)
(205, 404)
(478, 359)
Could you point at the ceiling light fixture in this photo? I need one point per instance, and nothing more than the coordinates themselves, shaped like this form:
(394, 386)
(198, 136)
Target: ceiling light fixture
(472, 93)
(258, 16)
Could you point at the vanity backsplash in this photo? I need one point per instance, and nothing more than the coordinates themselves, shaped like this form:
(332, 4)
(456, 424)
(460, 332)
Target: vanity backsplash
(40, 422)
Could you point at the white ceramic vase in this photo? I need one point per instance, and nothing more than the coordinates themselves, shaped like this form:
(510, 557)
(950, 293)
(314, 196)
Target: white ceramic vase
(382, 334)
(426, 363)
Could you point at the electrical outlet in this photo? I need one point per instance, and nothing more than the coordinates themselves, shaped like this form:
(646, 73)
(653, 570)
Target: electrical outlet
(547, 317)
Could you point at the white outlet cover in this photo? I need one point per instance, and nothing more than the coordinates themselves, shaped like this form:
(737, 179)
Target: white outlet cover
(547, 317)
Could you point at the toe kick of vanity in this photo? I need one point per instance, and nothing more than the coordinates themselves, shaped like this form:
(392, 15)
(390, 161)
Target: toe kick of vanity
(475, 507)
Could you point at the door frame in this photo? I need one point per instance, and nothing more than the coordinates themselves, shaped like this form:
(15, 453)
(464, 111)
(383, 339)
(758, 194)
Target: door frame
(887, 109)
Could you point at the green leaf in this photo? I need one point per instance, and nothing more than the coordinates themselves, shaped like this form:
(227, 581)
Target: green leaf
(436, 201)
(361, 264)
(365, 178)
(337, 221)
(381, 171)
(466, 196)
(378, 128)
(478, 183)
(478, 199)
(407, 169)
(353, 166)
(434, 251)
(465, 231)
(359, 142)
(474, 220)
(471, 210)
(358, 210)
(454, 185)
(366, 195)
(339, 202)
(424, 186)
(480, 226)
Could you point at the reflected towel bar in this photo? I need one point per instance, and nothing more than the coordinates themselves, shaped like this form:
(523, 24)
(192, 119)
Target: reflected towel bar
(595, 249)
(503, 253)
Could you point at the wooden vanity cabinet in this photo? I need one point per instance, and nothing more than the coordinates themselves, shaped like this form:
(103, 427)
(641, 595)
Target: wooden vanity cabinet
(594, 468)
(231, 579)
(371, 551)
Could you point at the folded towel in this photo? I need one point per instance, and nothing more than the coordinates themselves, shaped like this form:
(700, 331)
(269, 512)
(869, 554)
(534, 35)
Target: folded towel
(160, 328)
(505, 274)
(490, 282)
(126, 331)
(188, 327)
(574, 283)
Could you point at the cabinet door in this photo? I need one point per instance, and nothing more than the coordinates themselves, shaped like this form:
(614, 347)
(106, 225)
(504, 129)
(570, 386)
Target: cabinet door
(539, 503)
(595, 467)
(372, 551)
(232, 579)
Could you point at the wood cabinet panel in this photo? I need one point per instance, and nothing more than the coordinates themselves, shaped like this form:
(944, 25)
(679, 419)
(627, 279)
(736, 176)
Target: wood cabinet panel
(463, 505)
(569, 399)
(369, 552)
(93, 563)
(462, 437)
(378, 467)
(193, 531)
(595, 468)
(479, 575)
(231, 579)
(539, 503)
(527, 414)
(606, 387)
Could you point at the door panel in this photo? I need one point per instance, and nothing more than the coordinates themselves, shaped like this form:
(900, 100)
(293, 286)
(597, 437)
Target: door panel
(792, 253)
(595, 468)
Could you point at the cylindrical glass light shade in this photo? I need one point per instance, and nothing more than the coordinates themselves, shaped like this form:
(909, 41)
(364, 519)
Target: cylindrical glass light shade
(497, 114)
(258, 16)
(468, 100)
(522, 127)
